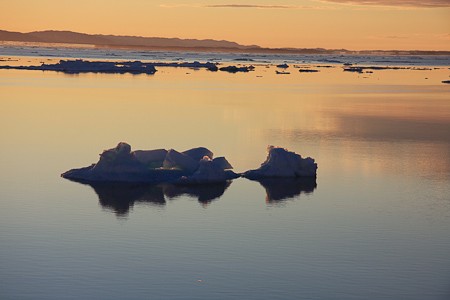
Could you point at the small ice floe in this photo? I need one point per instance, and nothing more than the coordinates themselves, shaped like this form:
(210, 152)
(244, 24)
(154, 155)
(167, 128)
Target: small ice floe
(192, 65)
(234, 69)
(282, 73)
(308, 71)
(283, 66)
(283, 163)
(362, 69)
(120, 164)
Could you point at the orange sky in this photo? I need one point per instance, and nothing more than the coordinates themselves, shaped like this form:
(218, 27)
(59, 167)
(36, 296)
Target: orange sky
(350, 24)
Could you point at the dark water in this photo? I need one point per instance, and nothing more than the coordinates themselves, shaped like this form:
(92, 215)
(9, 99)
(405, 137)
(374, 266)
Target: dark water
(374, 225)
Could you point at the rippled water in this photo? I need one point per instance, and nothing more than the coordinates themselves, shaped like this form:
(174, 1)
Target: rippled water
(45, 50)
(374, 225)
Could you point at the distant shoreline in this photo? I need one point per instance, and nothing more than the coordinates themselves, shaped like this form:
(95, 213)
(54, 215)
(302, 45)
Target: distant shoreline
(80, 40)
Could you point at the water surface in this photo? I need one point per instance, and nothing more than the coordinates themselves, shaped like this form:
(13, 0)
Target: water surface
(374, 225)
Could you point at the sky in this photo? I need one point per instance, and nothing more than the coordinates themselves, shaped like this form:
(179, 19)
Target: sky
(331, 24)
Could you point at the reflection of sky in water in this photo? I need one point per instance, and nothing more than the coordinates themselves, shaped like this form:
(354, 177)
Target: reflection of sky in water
(376, 222)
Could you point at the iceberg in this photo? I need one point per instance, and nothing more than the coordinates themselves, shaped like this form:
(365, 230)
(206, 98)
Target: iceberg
(283, 163)
(193, 166)
(120, 164)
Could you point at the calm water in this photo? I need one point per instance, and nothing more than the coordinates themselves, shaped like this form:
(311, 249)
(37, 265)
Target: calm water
(375, 224)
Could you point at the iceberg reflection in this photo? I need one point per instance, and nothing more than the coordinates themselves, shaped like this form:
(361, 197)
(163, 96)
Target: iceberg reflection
(280, 189)
(120, 197)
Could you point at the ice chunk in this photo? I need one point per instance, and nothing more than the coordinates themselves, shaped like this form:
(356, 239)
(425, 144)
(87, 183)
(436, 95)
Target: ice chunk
(177, 160)
(234, 69)
(198, 153)
(283, 163)
(222, 163)
(118, 159)
(283, 66)
(151, 158)
(210, 171)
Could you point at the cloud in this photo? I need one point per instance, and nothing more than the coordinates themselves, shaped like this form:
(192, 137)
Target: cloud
(254, 6)
(402, 3)
(179, 5)
(414, 36)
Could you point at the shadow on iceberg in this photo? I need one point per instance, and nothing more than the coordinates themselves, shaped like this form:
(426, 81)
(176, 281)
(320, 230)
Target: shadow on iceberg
(281, 189)
(120, 197)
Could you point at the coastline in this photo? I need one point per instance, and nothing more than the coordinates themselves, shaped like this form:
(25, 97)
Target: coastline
(235, 50)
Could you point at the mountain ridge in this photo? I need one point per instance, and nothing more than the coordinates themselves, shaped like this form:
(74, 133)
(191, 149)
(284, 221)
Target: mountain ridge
(161, 43)
(71, 37)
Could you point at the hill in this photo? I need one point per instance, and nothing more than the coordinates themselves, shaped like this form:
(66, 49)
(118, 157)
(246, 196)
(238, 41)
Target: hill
(70, 37)
(159, 43)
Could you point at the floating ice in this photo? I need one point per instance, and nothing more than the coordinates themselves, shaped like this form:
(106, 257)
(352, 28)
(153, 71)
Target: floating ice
(283, 163)
(308, 71)
(283, 66)
(121, 67)
(119, 164)
(282, 73)
(234, 69)
(209, 171)
(196, 166)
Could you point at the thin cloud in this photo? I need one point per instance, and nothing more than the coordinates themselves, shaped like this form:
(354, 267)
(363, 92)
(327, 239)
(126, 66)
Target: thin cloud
(395, 37)
(415, 36)
(401, 3)
(254, 6)
(180, 5)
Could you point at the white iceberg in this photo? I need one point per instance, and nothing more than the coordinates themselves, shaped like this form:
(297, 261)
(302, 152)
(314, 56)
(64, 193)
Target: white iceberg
(283, 163)
(119, 164)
